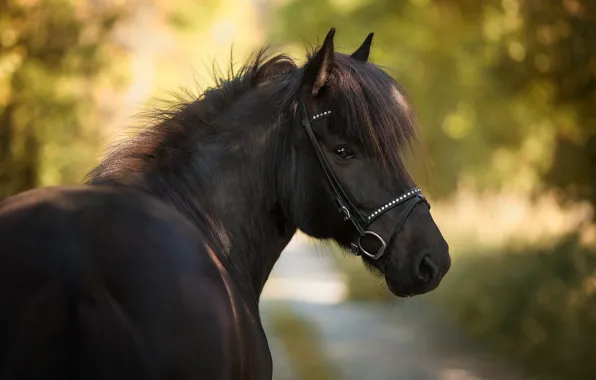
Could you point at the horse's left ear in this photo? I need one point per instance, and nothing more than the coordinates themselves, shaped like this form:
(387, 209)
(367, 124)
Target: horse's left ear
(318, 69)
(364, 50)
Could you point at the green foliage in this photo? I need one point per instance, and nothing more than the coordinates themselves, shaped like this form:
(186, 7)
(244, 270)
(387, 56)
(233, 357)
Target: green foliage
(190, 15)
(546, 52)
(51, 54)
(504, 89)
(537, 306)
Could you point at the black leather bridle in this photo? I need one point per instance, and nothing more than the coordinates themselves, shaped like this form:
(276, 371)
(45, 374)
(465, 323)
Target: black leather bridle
(406, 201)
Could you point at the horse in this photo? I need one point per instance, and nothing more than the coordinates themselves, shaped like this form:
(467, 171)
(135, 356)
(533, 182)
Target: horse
(152, 267)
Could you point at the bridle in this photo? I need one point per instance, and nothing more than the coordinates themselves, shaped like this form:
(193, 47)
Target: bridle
(406, 201)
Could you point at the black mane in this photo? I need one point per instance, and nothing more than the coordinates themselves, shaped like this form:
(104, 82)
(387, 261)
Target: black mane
(175, 126)
(372, 106)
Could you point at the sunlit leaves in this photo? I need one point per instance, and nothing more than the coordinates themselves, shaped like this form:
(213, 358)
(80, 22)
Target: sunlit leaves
(51, 54)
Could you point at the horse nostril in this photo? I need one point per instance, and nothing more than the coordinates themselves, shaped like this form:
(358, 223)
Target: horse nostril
(427, 269)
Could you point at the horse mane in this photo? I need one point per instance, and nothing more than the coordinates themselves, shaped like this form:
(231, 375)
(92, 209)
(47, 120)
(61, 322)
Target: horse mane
(173, 125)
(370, 105)
(375, 109)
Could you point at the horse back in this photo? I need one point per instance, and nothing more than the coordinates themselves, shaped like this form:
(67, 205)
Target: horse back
(101, 283)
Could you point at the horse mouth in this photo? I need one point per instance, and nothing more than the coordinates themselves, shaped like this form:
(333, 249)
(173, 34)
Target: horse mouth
(397, 289)
(403, 290)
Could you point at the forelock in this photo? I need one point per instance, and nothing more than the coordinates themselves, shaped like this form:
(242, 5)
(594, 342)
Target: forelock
(374, 108)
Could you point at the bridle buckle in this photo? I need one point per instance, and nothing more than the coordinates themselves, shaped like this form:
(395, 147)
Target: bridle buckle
(346, 212)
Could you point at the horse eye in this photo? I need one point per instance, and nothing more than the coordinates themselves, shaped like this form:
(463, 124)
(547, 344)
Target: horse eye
(344, 153)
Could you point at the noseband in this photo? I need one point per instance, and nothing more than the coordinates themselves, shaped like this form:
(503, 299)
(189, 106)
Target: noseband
(406, 202)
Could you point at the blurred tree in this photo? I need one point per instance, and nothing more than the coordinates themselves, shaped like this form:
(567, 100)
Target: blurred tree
(556, 47)
(546, 53)
(504, 89)
(52, 52)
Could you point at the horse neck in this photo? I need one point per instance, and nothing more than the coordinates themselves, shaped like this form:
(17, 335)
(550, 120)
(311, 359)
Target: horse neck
(228, 189)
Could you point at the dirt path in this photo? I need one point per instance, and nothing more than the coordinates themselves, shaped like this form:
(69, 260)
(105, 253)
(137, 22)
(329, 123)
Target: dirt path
(405, 341)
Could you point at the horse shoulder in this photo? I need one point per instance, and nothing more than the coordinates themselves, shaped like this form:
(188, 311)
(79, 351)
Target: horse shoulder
(129, 262)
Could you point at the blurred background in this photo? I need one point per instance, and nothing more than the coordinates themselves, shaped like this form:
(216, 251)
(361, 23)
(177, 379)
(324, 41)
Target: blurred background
(505, 92)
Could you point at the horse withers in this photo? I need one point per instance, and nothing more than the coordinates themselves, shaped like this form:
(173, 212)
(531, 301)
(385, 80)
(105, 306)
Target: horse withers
(154, 267)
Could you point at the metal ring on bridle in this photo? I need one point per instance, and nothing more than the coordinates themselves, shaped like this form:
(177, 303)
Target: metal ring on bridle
(380, 251)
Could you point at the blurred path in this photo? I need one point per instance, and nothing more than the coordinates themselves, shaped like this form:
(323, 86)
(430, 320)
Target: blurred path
(404, 341)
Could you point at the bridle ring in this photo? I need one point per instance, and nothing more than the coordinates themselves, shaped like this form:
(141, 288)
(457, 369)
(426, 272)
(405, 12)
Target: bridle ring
(380, 251)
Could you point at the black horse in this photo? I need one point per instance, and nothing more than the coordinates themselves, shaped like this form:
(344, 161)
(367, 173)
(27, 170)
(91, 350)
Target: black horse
(153, 269)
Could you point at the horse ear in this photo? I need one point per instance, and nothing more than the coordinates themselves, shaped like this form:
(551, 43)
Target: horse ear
(318, 69)
(364, 50)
